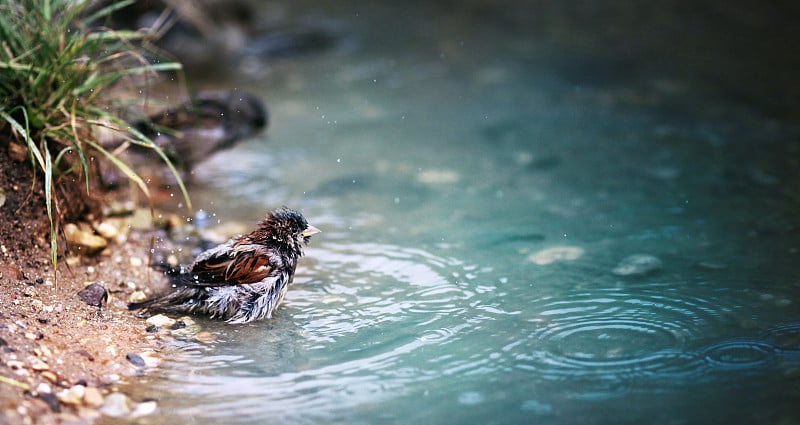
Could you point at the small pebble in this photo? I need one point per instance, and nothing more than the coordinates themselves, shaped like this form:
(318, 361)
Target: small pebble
(204, 337)
(93, 397)
(51, 400)
(39, 280)
(72, 396)
(116, 405)
(50, 376)
(94, 295)
(83, 239)
(39, 365)
(161, 321)
(43, 387)
(15, 364)
(137, 297)
(136, 360)
(144, 409)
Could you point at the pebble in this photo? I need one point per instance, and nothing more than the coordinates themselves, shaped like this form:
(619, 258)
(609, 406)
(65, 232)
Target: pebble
(15, 364)
(205, 337)
(72, 396)
(161, 321)
(119, 405)
(39, 365)
(93, 398)
(554, 254)
(137, 297)
(10, 272)
(93, 295)
(44, 388)
(84, 240)
(144, 409)
(106, 229)
(135, 359)
(51, 400)
(50, 376)
(637, 265)
(116, 405)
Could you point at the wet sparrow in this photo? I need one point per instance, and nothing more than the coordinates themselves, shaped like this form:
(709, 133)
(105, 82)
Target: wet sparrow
(244, 279)
(188, 133)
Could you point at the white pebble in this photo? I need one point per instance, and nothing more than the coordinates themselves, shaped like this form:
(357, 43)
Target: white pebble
(160, 321)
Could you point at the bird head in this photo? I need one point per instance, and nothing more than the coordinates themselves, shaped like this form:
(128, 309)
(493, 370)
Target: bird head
(287, 227)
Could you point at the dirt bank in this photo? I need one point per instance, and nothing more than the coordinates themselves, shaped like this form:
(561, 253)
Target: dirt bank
(60, 358)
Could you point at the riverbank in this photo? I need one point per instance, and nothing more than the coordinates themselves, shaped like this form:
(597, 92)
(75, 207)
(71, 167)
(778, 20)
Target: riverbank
(61, 359)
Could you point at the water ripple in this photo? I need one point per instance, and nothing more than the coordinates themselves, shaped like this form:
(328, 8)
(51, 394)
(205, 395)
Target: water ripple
(615, 336)
(740, 354)
(368, 284)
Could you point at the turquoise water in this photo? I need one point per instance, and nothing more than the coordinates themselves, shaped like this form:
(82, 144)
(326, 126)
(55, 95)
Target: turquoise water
(530, 214)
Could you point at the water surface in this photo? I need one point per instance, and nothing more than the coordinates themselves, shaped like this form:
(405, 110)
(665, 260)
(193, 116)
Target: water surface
(537, 213)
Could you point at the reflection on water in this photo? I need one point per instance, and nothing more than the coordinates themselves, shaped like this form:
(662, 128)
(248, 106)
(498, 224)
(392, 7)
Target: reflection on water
(516, 230)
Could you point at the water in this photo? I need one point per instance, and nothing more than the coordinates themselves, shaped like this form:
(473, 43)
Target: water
(532, 213)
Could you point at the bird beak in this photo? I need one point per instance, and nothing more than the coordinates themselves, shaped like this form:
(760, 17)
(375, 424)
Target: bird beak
(310, 230)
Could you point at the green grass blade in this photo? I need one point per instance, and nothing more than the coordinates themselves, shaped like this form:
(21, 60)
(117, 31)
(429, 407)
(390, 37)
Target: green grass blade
(122, 167)
(48, 199)
(140, 139)
(25, 134)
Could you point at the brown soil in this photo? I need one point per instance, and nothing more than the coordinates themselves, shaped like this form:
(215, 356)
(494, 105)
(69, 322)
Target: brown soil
(50, 340)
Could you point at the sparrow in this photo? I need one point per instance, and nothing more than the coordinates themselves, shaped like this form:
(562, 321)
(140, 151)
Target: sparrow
(187, 133)
(243, 279)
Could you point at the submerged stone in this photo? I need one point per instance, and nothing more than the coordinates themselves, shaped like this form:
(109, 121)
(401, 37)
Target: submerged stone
(116, 405)
(637, 265)
(554, 254)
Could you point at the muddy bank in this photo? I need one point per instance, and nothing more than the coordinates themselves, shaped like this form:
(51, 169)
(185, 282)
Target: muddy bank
(61, 359)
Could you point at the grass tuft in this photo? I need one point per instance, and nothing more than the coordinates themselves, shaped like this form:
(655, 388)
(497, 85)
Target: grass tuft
(59, 75)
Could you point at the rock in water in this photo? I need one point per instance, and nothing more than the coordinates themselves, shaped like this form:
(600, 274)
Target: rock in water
(637, 265)
(556, 253)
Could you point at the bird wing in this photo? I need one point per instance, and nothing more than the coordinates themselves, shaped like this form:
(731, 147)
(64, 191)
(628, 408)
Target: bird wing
(242, 265)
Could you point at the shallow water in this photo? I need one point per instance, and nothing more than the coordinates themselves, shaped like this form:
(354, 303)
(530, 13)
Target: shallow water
(529, 215)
